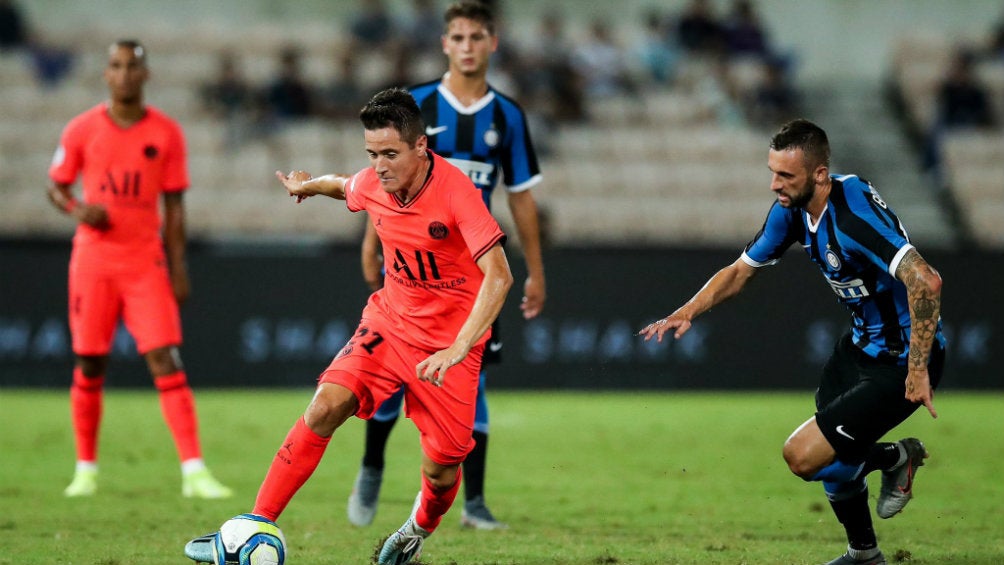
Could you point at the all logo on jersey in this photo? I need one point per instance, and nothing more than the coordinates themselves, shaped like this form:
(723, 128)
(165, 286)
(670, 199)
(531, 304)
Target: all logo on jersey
(150, 151)
(422, 268)
(418, 269)
(128, 185)
(438, 230)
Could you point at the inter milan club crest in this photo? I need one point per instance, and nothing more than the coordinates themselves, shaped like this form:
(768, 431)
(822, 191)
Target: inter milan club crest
(491, 136)
(832, 259)
(438, 230)
(150, 151)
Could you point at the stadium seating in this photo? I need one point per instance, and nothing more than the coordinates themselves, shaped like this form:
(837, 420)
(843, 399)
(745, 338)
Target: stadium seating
(652, 168)
(972, 160)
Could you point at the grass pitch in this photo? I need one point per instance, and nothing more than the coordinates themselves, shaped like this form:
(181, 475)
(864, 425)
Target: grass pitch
(582, 478)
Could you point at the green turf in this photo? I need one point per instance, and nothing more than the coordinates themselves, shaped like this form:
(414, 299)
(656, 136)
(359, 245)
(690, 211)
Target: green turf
(583, 478)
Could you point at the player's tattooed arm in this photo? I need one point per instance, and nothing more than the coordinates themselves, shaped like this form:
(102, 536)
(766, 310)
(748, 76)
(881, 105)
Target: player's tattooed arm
(923, 287)
(923, 291)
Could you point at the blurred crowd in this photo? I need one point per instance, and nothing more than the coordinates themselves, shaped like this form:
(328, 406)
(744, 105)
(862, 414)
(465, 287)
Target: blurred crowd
(555, 76)
(963, 98)
(50, 62)
(720, 52)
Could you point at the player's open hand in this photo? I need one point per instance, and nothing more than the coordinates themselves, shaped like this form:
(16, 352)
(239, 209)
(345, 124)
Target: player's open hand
(918, 389)
(294, 184)
(658, 328)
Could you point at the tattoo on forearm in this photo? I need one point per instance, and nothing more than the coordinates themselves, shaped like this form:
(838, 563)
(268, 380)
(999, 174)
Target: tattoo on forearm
(925, 306)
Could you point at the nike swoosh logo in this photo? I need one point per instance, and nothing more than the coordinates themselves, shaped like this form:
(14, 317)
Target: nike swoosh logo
(840, 430)
(909, 478)
(429, 130)
(495, 346)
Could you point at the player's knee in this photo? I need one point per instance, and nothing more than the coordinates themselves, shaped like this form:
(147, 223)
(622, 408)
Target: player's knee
(798, 463)
(93, 366)
(440, 477)
(330, 407)
(163, 361)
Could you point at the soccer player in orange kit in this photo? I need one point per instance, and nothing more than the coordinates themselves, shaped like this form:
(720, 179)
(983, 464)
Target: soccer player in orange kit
(446, 280)
(129, 155)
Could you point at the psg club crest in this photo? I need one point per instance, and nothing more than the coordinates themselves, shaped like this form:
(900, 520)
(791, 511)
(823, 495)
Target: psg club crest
(438, 230)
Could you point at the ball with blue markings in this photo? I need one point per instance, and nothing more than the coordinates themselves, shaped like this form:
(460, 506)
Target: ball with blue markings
(248, 539)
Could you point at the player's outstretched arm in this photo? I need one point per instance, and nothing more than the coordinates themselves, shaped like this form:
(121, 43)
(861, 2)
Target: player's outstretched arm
(725, 284)
(487, 305)
(524, 214)
(301, 185)
(923, 294)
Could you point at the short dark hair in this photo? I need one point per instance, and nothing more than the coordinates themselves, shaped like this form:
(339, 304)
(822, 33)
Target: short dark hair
(133, 44)
(394, 108)
(807, 136)
(472, 10)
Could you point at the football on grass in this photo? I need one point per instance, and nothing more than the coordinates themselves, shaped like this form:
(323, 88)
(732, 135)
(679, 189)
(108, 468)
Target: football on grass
(249, 540)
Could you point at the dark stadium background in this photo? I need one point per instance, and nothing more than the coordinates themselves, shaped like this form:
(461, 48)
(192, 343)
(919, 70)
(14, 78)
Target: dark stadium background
(271, 310)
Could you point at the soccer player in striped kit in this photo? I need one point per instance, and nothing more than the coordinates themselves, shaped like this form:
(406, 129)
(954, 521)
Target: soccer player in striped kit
(482, 132)
(884, 368)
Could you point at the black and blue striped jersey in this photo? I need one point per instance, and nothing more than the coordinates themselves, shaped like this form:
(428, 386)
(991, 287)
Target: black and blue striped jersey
(857, 244)
(482, 139)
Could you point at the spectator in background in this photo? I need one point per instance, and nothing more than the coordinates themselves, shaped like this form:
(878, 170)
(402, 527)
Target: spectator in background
(229, 93)
(719, 93)
(505, 73)
(654, 52)
(230, 98)
(421, 31)
(995, 46)
(550, 82)
(372, 27)
(289, 95)
(601, 63)
(13, 29)
(963, 102)
(698, 30)
(50, 62)
(401, 61)
(774, 100)
(744, 34)
(344, 95)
